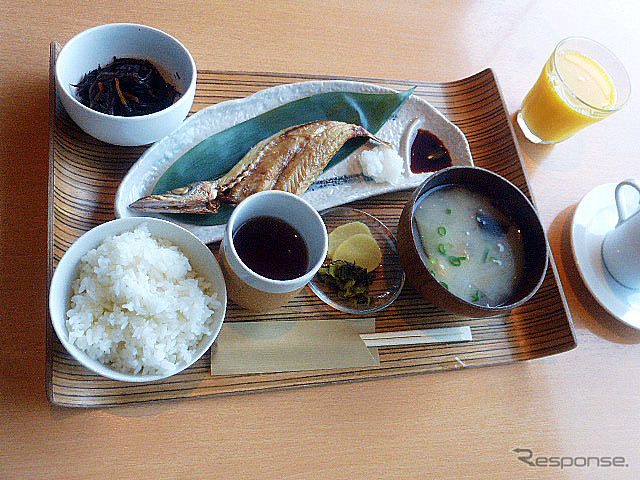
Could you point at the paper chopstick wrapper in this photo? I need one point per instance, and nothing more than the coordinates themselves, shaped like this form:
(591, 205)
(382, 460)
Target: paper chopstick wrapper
(288, 346)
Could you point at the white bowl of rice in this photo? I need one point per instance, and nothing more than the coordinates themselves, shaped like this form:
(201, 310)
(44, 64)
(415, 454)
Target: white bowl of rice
(137, 299)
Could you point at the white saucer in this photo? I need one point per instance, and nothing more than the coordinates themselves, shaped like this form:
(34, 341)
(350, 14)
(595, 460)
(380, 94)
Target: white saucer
(595, 216)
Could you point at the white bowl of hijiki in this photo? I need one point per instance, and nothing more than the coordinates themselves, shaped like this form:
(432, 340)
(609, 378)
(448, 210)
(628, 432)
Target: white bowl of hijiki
(472, 243)
(126, 84)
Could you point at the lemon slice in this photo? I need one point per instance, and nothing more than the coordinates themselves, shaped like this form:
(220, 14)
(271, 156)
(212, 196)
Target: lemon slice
(343, 232)
(361, 249)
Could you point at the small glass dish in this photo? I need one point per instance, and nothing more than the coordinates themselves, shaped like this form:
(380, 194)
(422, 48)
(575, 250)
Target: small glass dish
(388, 277)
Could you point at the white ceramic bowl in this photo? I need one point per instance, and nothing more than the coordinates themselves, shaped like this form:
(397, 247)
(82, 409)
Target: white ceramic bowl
(202, 261)
(98, 46)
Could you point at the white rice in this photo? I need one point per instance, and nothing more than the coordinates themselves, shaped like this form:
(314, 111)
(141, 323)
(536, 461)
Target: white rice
(138, 307)
(383, 164)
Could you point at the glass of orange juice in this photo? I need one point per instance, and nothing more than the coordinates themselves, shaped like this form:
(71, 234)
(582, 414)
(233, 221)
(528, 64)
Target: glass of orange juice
(581, 83)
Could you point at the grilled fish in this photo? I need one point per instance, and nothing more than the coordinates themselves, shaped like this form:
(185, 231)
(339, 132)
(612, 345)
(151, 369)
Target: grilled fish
(289, 160)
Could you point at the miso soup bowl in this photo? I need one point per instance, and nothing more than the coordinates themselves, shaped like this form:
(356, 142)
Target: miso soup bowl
(507, 198)
(97, 46)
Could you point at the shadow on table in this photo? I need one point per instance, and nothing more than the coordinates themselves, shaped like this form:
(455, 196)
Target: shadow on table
(591, 314)
(532, 154)
(566, 156)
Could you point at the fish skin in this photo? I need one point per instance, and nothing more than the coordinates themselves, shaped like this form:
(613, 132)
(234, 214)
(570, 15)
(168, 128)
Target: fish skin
(289, 160)
(328, 139)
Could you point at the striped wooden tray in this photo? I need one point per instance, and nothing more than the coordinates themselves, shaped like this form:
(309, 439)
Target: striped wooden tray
(84, 175)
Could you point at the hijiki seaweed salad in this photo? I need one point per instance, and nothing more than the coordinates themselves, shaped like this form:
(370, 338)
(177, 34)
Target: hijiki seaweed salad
(126, 87)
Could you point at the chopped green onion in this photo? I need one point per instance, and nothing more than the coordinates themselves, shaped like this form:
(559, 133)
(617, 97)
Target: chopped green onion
(442, 231)
(442, 248)
(455, 261)
(448, 210)
(484, 257)
(477, 296)
(444, 285)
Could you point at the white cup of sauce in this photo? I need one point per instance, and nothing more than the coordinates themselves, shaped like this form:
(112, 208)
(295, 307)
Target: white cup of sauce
(621, 246)
(261, 250)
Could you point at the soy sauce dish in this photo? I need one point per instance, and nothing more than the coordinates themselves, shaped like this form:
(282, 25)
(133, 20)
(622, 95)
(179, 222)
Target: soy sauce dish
(472, 243)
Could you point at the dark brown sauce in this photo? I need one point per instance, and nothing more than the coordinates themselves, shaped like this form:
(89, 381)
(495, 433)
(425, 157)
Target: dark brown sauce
(428, 153)
(272, 248)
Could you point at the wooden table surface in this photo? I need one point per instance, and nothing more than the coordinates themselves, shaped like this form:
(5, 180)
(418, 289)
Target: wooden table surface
(459, 424)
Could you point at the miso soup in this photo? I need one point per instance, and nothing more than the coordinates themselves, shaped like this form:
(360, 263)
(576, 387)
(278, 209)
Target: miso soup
(473, 248)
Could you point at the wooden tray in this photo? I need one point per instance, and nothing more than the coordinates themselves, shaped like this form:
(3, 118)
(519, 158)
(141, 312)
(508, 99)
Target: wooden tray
(84, 174)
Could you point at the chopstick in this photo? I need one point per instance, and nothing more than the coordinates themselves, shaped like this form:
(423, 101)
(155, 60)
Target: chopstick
(414, 337)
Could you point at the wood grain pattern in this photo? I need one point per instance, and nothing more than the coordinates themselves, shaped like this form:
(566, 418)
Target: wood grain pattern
(85, 173)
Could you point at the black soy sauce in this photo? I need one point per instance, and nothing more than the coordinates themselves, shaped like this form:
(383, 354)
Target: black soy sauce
(428, 153)
(272, 248)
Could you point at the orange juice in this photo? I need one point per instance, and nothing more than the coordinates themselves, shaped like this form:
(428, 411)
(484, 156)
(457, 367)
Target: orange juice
(573, 91)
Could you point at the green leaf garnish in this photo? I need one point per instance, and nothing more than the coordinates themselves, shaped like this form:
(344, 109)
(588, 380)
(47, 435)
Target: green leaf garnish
(216, 155)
